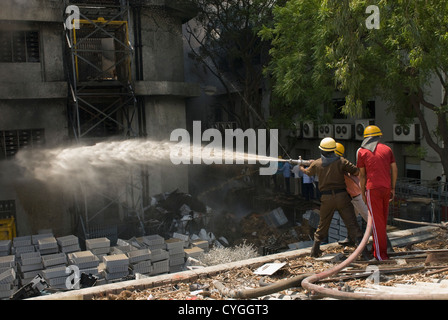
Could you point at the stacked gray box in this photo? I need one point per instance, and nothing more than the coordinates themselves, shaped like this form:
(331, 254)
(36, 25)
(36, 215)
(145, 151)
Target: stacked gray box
(47, 245)
(175, 248)
(160, 261)
(182, 237)
(8, 276)
(68, 244)
(333, 231)
(29, 266)
(338, 230)
(8, 262)
(98, 246)
(140, 261)
(5, 247)
(7, 283)
(203, 244)
(154, 242)
(122, 249)
(35, 238)
(116, 266)
(22, 245)
(56, 276)
(86, 261)
(54, 260)
(193, 252)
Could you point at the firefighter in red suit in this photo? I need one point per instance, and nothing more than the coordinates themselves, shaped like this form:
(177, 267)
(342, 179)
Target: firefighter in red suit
(378, 176)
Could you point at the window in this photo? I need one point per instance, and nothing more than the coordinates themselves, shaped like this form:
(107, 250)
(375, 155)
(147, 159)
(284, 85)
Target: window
(12, 141)
(19, 46)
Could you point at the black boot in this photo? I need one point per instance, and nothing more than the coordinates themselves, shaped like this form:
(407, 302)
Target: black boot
(366, 256)
(315, 250)
(346, 242)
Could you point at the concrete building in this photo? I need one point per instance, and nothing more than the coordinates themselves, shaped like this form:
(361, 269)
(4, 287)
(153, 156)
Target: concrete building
(117, 75)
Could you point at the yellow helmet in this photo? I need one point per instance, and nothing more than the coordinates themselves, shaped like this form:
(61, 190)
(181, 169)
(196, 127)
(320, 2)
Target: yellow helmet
(339, 149)
(327, 144)
(372, 131)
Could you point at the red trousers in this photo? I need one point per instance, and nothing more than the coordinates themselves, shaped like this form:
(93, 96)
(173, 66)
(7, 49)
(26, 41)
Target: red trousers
(378, 204)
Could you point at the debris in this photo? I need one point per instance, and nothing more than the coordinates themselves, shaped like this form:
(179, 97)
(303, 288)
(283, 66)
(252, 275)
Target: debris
(313, 217)
(275, 218)
(269, 268)
(434, 258)
(331, 257)
(225, 255)
(32, 289)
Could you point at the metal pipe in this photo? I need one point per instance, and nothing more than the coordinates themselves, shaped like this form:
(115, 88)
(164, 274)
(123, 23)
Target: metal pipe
(300, 162)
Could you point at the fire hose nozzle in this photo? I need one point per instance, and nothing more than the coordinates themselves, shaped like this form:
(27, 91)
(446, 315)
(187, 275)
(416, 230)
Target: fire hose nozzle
(300, 162)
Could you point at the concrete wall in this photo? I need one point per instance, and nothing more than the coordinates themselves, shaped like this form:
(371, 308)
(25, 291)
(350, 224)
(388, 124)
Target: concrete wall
(164, 114)
(34, 95)
(164, 89)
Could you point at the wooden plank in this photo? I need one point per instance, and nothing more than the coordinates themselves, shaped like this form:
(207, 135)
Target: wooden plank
(412, 239)
(436, 258)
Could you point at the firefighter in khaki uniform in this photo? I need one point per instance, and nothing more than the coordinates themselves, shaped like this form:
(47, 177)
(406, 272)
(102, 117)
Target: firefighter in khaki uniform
(378, 175)
(331, 169)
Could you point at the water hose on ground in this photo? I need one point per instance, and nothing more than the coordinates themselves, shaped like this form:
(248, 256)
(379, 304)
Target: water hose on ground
(308, 283)
(261, 291)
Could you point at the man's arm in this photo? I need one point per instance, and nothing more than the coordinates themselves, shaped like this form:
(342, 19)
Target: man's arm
(393, 179)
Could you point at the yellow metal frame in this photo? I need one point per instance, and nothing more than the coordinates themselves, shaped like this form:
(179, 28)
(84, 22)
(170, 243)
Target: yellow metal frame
(7, 229)
(93, 23)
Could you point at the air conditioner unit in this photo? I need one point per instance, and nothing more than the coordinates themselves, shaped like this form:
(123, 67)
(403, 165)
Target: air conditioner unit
(326, 130)
(296, 132)
(308, 129)
(408, 133)
(360, 125)
(343, 131)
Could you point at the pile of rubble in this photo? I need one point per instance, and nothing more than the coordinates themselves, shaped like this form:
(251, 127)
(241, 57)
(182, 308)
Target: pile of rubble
(415, 264)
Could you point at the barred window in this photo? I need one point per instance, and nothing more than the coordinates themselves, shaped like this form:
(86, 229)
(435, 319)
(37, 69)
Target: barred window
(12, 141)
(19, 46)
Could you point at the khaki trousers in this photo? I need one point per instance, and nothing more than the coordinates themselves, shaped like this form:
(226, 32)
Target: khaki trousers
(342, 203)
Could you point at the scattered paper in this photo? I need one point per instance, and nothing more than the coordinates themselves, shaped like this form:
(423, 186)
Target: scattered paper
(269, 268)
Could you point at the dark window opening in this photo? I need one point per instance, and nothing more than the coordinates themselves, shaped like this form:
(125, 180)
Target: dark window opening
(19, 46)
(12, 141)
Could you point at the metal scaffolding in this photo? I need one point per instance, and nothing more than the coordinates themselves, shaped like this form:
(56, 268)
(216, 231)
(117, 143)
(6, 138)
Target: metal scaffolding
(102, 102)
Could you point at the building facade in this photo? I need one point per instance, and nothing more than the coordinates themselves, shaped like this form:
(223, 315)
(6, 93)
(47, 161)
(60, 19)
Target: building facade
(116, 75)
